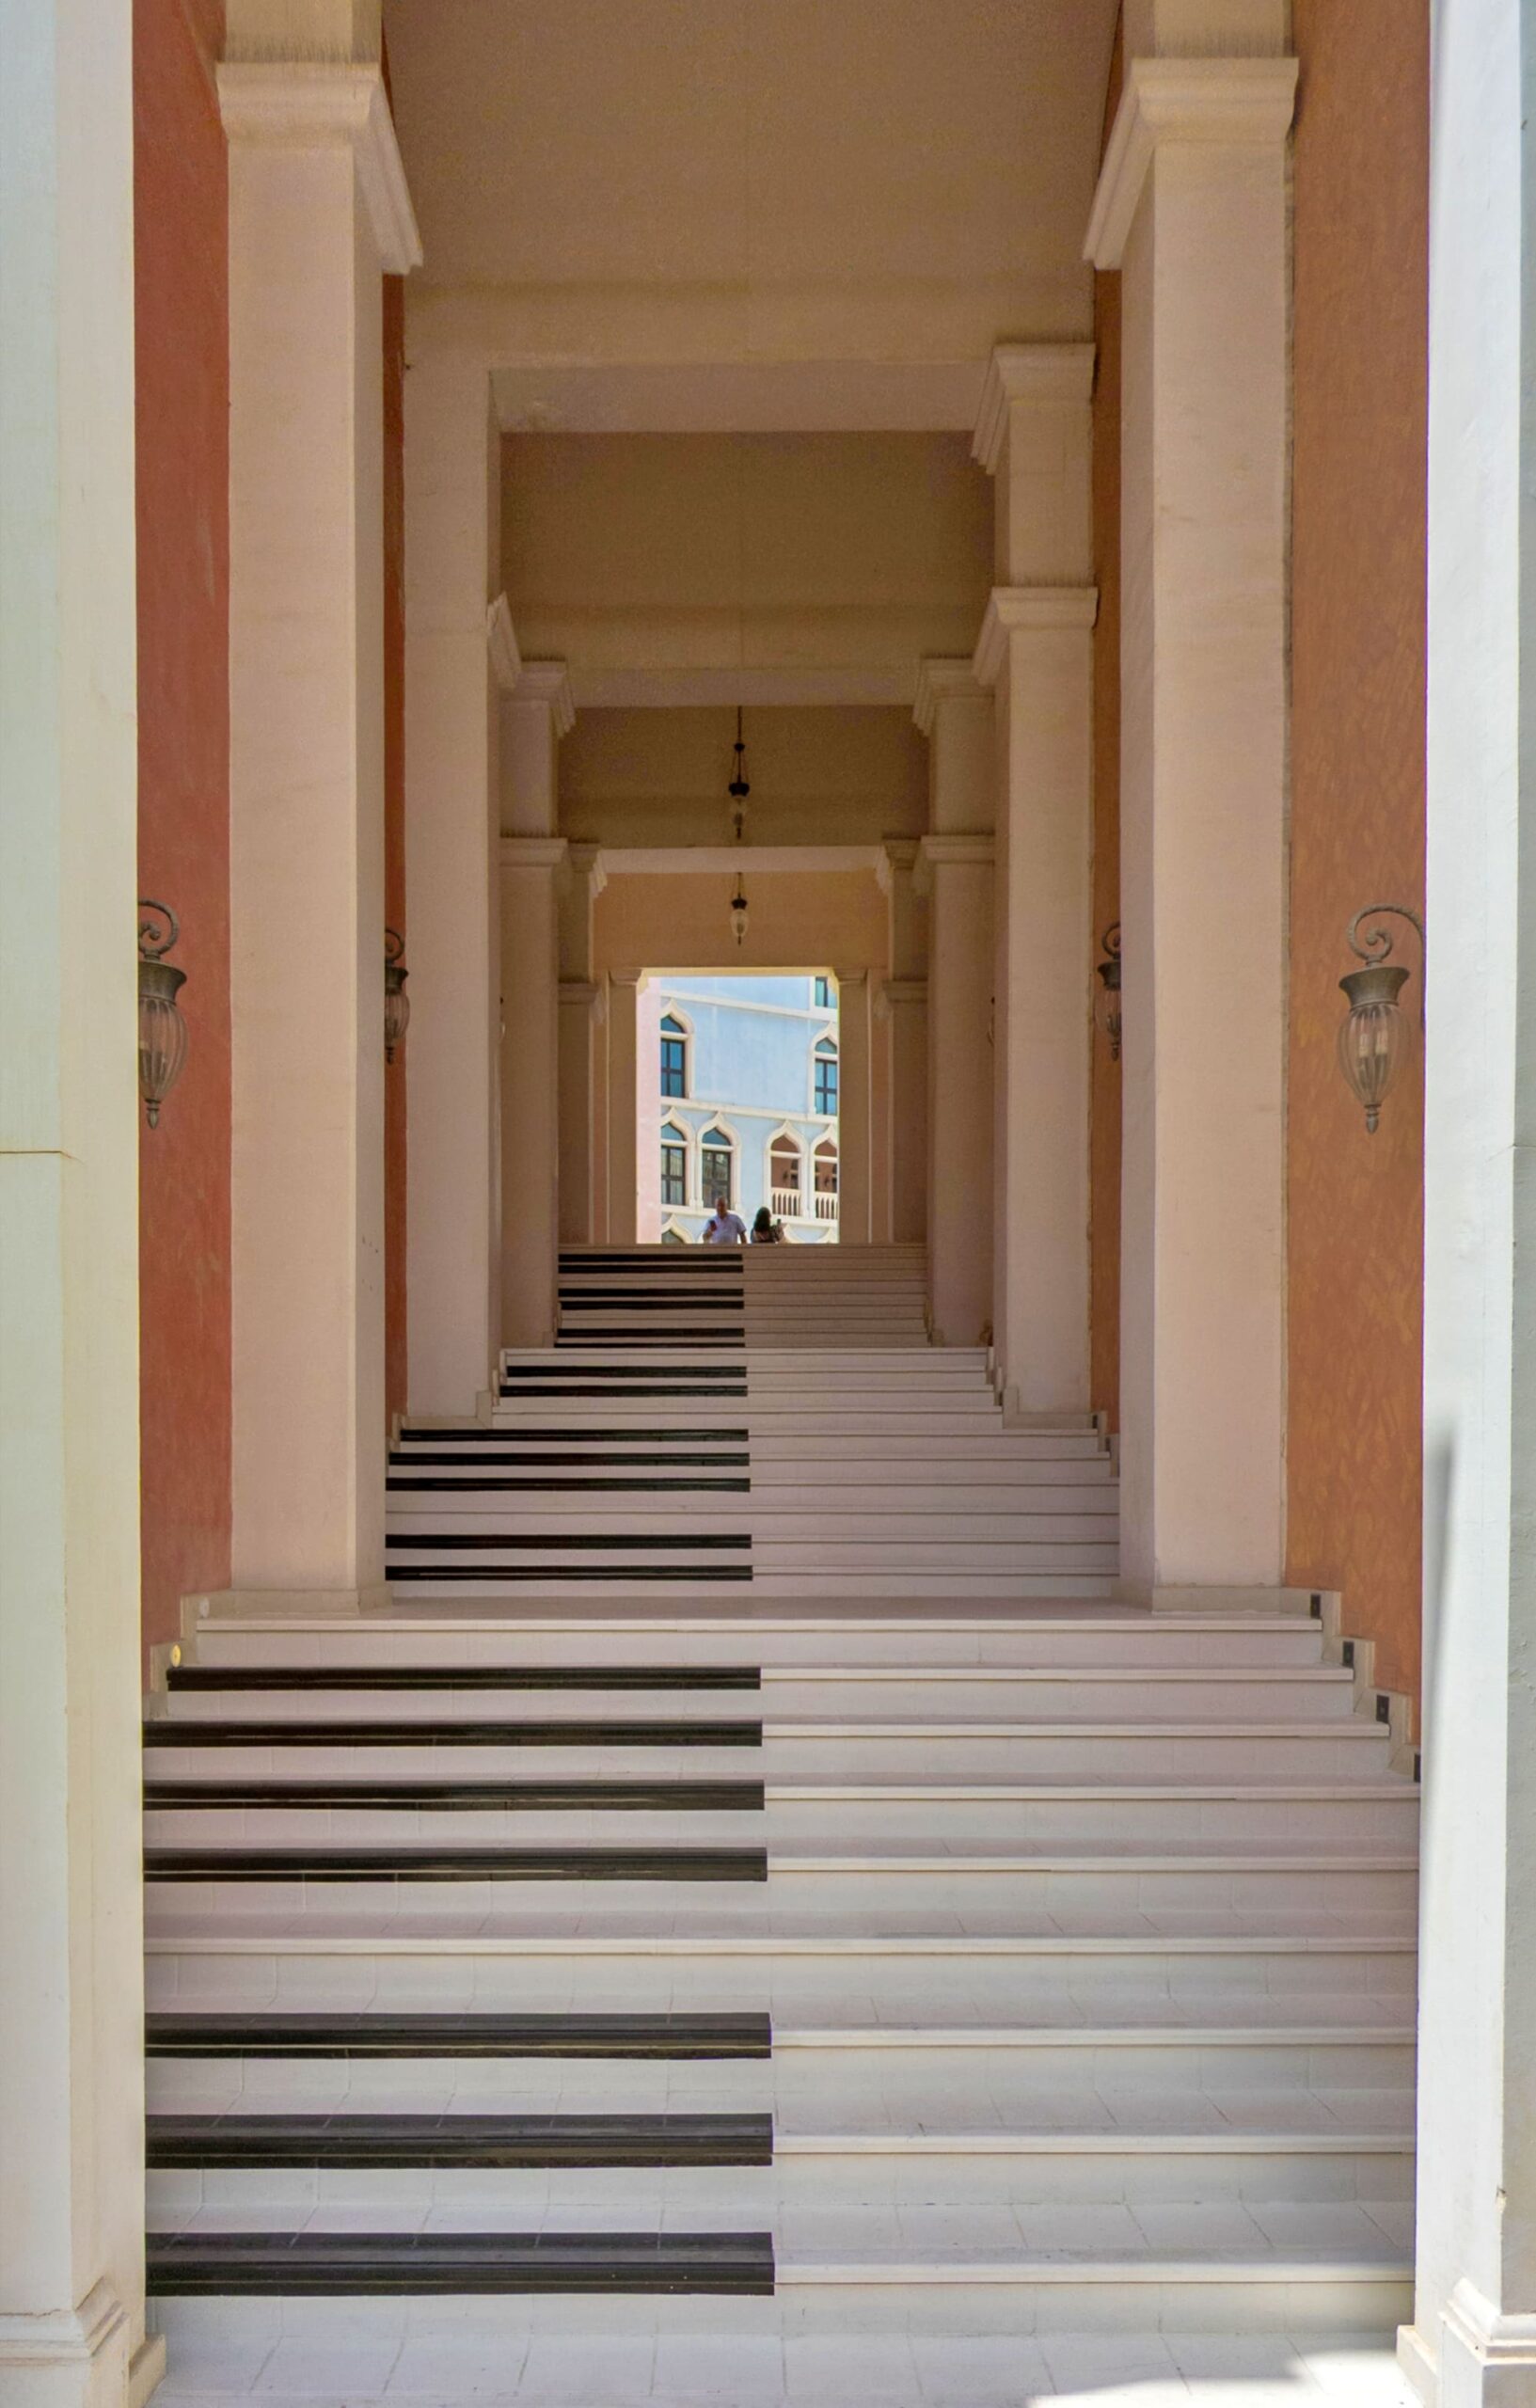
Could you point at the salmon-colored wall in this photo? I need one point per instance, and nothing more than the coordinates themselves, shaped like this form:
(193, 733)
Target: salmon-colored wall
(181, 413)
(1104, 1143)
(1355, 1202)
(395, 826)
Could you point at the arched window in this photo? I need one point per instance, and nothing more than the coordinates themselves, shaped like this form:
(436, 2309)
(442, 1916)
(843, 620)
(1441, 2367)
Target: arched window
(821, 993)
(824, 1091)
(785, 1169)
(825, 1163)
(717, 1155)
(674, 1056)
(673, 1165)
(672, 1235)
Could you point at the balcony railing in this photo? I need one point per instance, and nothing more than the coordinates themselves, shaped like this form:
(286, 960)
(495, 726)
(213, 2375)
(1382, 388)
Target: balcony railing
(788, 1204)
(826, 1205)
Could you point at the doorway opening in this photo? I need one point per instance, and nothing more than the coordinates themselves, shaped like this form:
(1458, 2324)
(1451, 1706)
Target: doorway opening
(738, 1094)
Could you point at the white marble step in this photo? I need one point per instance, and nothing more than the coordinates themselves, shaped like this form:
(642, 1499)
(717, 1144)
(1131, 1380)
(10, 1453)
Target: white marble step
(1089, 1635)
(1147, 1694)
(292, 1962)
(784, 1512)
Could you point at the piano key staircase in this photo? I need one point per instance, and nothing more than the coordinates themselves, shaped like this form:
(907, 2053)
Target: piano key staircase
(756, 1877)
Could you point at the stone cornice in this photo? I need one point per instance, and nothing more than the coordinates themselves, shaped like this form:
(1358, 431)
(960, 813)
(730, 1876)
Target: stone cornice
(548, 681)
(903, 990)
(586, 862)
(898, 859)
(501, 643)
(1234, 100)
(298, 104)
(943, 680)
(976, 850)
(581, 994)
(1049, 372)
(1030, 609)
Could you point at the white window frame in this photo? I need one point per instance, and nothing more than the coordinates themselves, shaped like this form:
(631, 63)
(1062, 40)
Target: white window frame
(785, 1134)
(684, 1022)
(733, 1139)
(673, 1131)
(824, 1036)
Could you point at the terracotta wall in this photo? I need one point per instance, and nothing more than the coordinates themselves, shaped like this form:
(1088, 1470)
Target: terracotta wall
(1105, 1140)
(395, 826)
(1354, 1203)
(179, 248)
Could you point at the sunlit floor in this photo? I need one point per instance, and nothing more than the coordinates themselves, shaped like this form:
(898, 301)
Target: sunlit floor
(1212, 2371)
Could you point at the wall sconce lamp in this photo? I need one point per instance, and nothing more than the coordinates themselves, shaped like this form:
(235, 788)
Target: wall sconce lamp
(162, 1031)
(738, 914)
(397, 1003)
(1374, 1035)
(1106, 1003)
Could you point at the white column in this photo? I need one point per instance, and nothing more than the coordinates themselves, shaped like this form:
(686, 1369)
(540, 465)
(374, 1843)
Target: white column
(954, 866)
(452, 691)
(901, 1008)
(855, 1119)
(535, 714)
(72, 1999)
(1192, 203)
(623, 1104)
(318, 208)
(1036, 651)
(580, 1024)
(1473, 2340)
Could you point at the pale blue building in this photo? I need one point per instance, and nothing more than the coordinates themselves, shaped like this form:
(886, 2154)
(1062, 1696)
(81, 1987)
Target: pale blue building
(749, 1076)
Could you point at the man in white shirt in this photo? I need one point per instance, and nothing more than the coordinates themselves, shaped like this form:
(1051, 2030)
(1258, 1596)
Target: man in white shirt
(724, 1226)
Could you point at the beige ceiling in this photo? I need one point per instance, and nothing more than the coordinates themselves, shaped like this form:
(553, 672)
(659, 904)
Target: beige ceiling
(676, 184)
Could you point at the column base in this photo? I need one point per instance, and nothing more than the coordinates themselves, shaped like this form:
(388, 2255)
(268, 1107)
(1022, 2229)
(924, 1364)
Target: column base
(214, 1604)
(1486, 2359)
(1213, 1600)
(68, 2358)
(146, 2369)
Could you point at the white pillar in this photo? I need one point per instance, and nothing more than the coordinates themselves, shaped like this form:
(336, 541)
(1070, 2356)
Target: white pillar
(1192, 202)
(1473, 2340)
(452, 690)
(855, 1116)
(1033, 437)
(318, 209)
(623, 1105)
(901, 1008)
(72, 1999)
(535, 714)
(581, 1022)
(954, 866)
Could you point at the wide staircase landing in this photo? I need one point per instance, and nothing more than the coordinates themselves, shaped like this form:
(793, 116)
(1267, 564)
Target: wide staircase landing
(756, 1879)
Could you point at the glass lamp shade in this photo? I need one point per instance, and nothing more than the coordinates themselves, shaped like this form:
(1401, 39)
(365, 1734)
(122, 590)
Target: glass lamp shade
(162, 1034)
(1374, 1037)
(397, 1003)
(738, 915)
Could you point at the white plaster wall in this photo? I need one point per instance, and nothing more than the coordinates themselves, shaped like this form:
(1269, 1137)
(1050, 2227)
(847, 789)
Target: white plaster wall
(530, 1097)
(1477, 2175)
(72, 2083)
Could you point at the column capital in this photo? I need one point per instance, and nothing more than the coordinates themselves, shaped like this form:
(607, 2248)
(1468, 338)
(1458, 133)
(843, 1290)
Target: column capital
(532, 852)
(1050, 374)
(583, 995)
(940, 680)
(501, 644)
(547, 682)
(1240, 103)
(304, 104)
(851, 977)
(898, 858)
(586, 862)
(1029, 610)
(963, 850)
(897, 992)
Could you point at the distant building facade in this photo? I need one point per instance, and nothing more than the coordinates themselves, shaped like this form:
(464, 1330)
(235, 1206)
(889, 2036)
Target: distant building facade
(748, 1076)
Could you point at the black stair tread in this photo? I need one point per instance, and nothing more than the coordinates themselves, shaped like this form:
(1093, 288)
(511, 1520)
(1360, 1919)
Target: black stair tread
(340, 2139)
(573, 1387)
(552, 1571)
(463, 1676)
(284, 2264)
(650, 1337)
(520, 1458)
(518, 1374)
(400, 1864)
(547, 1541)
(511, 1797)
(544, 1486)
(631, 1433)
(363, 2034)
(208, 1731)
